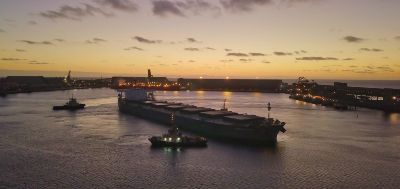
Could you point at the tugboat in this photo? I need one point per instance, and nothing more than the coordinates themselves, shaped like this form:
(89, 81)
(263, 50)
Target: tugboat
(72, 104)
(174, 138)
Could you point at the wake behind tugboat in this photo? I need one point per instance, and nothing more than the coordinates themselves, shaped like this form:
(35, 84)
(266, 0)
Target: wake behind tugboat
(218, 124)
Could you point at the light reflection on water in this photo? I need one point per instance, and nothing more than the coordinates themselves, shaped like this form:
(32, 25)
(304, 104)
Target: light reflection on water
(98, 147)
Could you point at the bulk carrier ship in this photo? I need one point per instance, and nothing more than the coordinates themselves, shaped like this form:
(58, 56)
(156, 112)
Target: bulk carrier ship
(207, 122)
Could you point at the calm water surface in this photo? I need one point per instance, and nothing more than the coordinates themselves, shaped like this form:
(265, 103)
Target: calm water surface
(100, 148)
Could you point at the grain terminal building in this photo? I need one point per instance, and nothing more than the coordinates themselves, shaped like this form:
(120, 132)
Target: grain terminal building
(259, 85)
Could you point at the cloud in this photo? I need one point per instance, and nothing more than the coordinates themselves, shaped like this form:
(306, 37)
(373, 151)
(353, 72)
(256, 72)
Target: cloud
(397, 37)
(20, 50)
(292, 2)
(352, 39)
(36, 42)
(192, 40)
(210, 48)
(191, 49)
(384, 68)
(237, 54)
(12, 59)
(364, 71)
(38, 63)
(245, 60)
(59, 40)
(228, 50)
(95, 41)
(371, 50)
(31, 22)
(147, 41)
(299, 52)
(226, 61)
(123, 5)
(266, 62)
(164, 8)
(257, 54)
(282, 53)
(369, 69)
(243, 5)
(33, 62)
(2, 31)
(73, 13)
(316, 58)
(191, 61)
(348, 59)
(197, 7)
(133, 48)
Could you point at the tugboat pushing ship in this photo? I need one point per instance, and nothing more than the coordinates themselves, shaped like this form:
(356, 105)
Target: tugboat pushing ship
(206, 122)
(174, 138)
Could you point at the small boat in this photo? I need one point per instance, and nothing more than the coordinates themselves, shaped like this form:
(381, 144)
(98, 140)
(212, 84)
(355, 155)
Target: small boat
(72, 104)
(174, 138)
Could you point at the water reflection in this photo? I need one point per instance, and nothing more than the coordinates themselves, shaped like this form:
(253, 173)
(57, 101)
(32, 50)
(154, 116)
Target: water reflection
(227, 94)
(393, 118)
(321, 147)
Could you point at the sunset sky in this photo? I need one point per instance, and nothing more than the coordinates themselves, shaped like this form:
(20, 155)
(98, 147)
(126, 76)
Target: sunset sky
(318, 39)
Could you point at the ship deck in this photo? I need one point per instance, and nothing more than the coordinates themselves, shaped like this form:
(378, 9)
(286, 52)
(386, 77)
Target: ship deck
(220, 117)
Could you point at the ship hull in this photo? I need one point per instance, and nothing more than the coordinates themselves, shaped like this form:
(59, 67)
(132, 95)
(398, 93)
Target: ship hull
(160, 143)
(80, 106)
(202, 127)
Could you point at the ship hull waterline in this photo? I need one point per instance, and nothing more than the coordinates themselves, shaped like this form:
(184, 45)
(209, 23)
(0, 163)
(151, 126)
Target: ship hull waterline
(64, 107)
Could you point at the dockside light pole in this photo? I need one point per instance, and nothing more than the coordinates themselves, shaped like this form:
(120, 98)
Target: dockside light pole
(269, 108)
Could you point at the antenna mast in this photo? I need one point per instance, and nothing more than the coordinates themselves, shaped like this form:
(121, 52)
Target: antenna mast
(224, 106)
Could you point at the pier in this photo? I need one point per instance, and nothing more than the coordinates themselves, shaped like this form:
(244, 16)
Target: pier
(342, 96)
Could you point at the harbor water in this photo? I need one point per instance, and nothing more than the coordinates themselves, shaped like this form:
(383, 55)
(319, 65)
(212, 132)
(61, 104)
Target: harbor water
(98, 147)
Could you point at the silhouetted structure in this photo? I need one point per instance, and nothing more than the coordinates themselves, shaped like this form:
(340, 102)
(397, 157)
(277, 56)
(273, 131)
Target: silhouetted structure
(68, 78)
(149, 82)
(149, 74)
(342, 96)
(14, 84)
(261, 85)
(24, 84)
(127, 82)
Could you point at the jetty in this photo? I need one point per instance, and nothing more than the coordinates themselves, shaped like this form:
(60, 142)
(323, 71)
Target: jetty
(345, 97)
